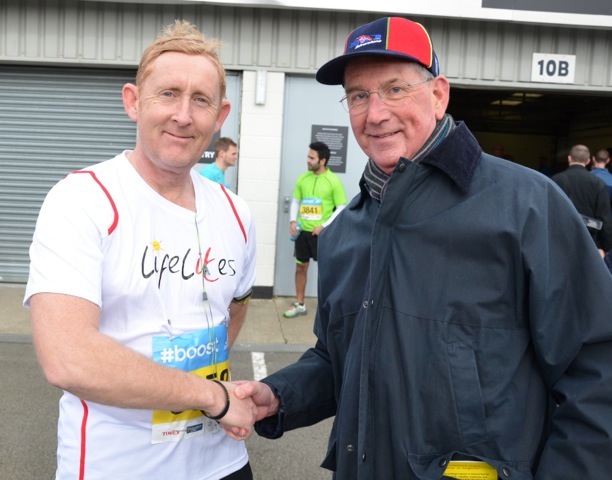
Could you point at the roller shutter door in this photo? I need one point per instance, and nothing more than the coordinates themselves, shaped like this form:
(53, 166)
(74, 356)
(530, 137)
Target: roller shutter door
(52, 121)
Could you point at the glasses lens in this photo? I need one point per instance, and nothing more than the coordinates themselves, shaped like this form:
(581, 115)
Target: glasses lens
(394, 92)
(355, 102)
(344, 102)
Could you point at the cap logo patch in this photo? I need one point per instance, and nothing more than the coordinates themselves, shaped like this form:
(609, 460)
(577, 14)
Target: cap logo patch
(365, 40)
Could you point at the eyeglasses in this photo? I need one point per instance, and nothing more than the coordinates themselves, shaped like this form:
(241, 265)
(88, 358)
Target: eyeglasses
(357, 102)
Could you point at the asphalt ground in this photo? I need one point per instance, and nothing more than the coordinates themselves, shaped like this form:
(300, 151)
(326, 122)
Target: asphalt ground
(29, 405)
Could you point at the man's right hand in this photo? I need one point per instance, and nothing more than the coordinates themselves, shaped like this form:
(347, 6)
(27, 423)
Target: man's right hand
(242, 414)
(261, 394)
(263, 398)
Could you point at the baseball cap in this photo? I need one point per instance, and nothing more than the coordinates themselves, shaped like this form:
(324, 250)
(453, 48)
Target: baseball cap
(391, 36)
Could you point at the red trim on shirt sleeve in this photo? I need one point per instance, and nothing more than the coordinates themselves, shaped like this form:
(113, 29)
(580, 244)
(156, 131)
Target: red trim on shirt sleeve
(235, 212)
(83, 440)
(108, 195)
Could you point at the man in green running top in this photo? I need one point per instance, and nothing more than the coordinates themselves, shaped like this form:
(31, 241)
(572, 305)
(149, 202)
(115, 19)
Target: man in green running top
(318, 198)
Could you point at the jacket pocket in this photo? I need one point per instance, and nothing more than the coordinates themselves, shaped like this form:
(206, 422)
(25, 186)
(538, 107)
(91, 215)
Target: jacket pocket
(468, 396)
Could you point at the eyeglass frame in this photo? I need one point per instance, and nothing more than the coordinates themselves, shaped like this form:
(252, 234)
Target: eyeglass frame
(409, 85)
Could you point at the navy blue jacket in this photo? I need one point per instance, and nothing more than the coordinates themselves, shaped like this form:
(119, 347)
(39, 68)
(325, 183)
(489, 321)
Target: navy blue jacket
(466, 316)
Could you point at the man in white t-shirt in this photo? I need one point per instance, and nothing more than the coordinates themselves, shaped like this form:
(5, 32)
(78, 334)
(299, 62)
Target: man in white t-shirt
(139, 279)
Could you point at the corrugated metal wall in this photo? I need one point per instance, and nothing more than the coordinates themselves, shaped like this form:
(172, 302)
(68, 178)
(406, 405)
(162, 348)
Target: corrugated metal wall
(482, 53)
(52, 122)
(500, 54)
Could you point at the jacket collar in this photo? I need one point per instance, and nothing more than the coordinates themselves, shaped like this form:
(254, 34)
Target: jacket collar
(457, 157)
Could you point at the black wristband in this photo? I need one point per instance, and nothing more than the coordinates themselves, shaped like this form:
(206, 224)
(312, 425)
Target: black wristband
(227, 404)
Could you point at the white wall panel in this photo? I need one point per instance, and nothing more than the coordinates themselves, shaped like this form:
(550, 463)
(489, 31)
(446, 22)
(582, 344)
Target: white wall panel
(305, 40)
(451, 46)
(600, 50)
(490, 52)
(526, 47)
(246, 51)
(285, 39)
(264, 57)
(509, 42)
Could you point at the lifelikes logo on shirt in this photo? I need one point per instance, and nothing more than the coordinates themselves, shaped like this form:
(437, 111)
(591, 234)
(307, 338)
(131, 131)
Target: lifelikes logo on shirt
(155, 261)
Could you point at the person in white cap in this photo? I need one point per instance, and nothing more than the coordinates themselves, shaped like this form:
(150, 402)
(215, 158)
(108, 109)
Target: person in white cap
(464, 316)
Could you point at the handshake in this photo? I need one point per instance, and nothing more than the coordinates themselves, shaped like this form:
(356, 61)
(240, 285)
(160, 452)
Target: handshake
(245, 402)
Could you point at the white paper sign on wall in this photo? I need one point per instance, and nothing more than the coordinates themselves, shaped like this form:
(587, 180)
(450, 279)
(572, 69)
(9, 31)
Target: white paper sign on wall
(552, 68)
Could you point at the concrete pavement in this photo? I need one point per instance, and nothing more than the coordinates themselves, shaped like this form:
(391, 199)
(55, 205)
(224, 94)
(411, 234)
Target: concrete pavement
(265, 328)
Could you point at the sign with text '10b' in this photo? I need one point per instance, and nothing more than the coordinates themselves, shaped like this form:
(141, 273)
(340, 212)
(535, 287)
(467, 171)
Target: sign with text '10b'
(551, 68)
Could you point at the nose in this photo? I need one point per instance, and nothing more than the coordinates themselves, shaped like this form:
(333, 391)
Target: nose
(183, 111)
(377, 109)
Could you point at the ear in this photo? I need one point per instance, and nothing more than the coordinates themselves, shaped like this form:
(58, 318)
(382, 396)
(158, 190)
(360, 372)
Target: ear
(222, 113)
(440, 95)
(129, 94)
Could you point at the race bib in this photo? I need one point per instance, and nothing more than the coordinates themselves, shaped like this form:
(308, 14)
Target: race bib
(204, 353)
(311, 209)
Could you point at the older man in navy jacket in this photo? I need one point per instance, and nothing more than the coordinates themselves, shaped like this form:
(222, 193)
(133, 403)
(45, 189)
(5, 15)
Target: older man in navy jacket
(464, 319)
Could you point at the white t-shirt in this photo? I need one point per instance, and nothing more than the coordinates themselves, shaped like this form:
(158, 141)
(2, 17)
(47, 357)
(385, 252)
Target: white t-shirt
(104, 235)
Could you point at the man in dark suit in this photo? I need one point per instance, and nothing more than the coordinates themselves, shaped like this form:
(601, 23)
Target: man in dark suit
(589, 194)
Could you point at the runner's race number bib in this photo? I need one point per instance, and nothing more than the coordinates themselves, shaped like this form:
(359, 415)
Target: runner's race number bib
(204, 353)
(311, 209)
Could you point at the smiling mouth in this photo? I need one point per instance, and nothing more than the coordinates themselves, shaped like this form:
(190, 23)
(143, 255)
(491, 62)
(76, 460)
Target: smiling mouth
(387, 135)
(180, 137)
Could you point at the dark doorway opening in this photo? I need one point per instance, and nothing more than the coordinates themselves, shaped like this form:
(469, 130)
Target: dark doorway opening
(536, 123)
